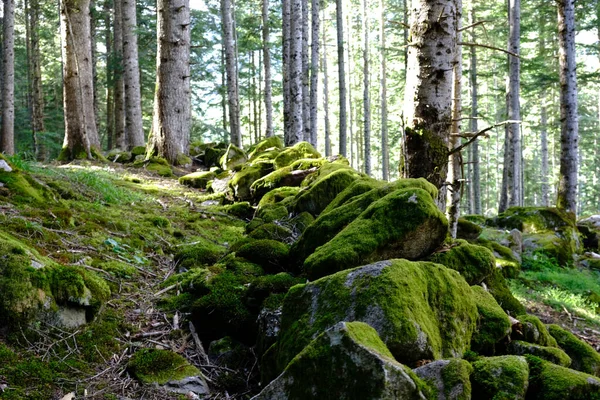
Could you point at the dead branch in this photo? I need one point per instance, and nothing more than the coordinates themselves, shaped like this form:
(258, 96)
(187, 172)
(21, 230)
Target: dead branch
(481, 132)
(485, 46)
(464, 28)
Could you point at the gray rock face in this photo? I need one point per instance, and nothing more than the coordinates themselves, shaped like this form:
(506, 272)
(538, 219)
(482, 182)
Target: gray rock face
(348, 361)
(552, 354)
(269, 325)
(4, 166)
(70, 317)
(194, 384)
(449, 377)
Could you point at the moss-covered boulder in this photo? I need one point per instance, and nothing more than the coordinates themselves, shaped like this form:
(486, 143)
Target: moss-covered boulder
(198, 180)
(533, 331)
(498, 287)
(589, 228)
(273, 232)
(158, 165)
(271, 143)
(493, 324)
(404, 224)
(242, 180)
(269, 254)
(200, 253)
(549, 381)
(507, 260)
(500, 378)
(468, 230)
(583, 356)
(290, 176)
(278, 195)
(421, 310)
(20, 187)
(271, 212)
(347, 361)
(474, 263)
(552, 354)
(450, 378)
(298, 151)
(119, 156)
(160, 366)
(233, 157)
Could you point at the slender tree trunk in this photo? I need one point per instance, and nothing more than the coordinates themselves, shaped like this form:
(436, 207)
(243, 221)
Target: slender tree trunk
(514, 106)
(476, 183)
(81, 135)
(254, 97)
(93, 16)
(260, 96)
(7, 145)
(133, 96)
(429, 85)
(353, 143)
(366, 97)
(110, 104)
(267, 65)
(223, 87)
(121, 140)
(305, 74)
(172, 101)
(326, 93)
(232, 76)
(569, 127)
(385, 151)
(544, 148)
(287, 100)
(314, 71)
(342, 76)
(295, 60)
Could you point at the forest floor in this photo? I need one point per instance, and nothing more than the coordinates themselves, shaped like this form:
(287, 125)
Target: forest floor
(126, 224)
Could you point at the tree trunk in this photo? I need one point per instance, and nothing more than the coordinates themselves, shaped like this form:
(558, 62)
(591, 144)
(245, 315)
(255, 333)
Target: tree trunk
(385, 151)
(7, 145)
(81, 135)
(93, 15)
(295, 60)
(569, 127)
(476, 183)
(121, 140)
(342, 76)
(223, 87)
(513, 104)
(267, 66)
(110, 104)
(37, 103)
(172, 100)
(305, 74)
(314, 71)
(366, 97)
(133, 97)
(286, 34)
(428, 101)
(232, 76)
(544, 122)
(326, 93)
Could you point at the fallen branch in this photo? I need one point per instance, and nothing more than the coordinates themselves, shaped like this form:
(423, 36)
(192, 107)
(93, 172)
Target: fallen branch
(165, 290)
(198, 343)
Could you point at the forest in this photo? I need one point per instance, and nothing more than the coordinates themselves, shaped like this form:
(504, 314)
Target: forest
(349, 199)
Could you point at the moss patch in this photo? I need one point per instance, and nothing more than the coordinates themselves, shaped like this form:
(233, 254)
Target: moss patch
(270, 254)
(160, 366)
(534, 331)
(296, 152)
(493, 324)
(497, 378)
(551, 354)
(474, 263)
(198, 180)
(584, 357)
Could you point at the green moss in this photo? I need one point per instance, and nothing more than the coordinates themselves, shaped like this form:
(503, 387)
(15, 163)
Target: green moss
(499, 289)
(23, 188)
(366, 336)
(138, 151)
(183, 159)
(159, 166)
(233, 157)
(159, 221)
(160, 366)
(118, 269)
(457, 375)
(277, 195)
(476, 219)
(500, 378)
(552, 382)
(584, 357)
(474, 263)
(551, 354)
(493, 325)
(301, 222)
(198, 180)
(265, 286)
(274, 142)
(468, 230)
(203, 252)
(298, 151)
(534, 331)
(505, 258)
(242, 209)
(242, 180)
(272, 212)
(355, 189)
(270, 254)
(273, 232)
(376, 234)
(533, 219)
(254, 224)
(119, 156)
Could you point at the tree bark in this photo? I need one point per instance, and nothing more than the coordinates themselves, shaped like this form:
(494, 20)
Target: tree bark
(342, 76)
(110, 104)
(326, 93)
(476, 183)
(93, 15)
(267, 66)
(429, 85)
(569, 127)
(172, 101)
(305, 74)
(121, 140)
(81, 135)
(544, 122)
(37, 103)
(513, 104)
(286, 37)
(366, 97)
(133, 97)
(7, 145)
(295, 65)
(385, 151)
(232, 75)
(314, 72)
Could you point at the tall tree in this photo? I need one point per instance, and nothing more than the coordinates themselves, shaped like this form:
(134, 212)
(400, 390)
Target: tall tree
(267, 66)
(286, 8)
(172, 100)
(7, 145)
(314, 71)
(366, 97)
(295, 68)
(232, 72)
(121, 140)
(81, 134)
(133, 99)
(110, 105)
(385, 151)
(544, 119)
(569, 126)
(305, 74)
(326, 92)
(476, 179)
(342, 76)
(428, 99)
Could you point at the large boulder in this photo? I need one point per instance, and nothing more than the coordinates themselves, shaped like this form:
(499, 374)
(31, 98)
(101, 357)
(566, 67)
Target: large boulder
(421, 310)
(198, 180)
(590, 230)
(298, 151)
(584, 357)
(552, 382)
(450, 378)
(499, 378)
(552, 354)
(233, 157)
(404, 224)
(347, 361)
(242, 180)
(473, 262)
(533, 330)
(493, 324)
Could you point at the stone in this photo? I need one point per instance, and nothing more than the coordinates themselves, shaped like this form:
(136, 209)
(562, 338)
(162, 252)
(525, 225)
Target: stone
(473, 262)
(5, 167)
(553, 382)
(194, 384)
(493, 324)
(551, 354)
(498, 378)
(233, 157)
(450, 378)
(583, 356)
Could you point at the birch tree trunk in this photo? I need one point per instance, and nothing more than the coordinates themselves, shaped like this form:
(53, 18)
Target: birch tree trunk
(342, 76)
(121, 140)
(110, 105)
(232, 75)
(366, 97)
(133, 97)
(286, 37)
(514, 104)
(429, 85)
(267, 66)
(569, 127)
(305, 74)
(172, 100)
(37, 103)
(81, 135)
(7, 145)
(326, 93)
(476, 183)
(314, 71)
(385, 151)
(295, 68)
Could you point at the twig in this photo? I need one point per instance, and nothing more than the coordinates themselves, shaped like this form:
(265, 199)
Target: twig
(510, 53)
(464, 28)
(165, 290)
(198, 343)
(481, 132)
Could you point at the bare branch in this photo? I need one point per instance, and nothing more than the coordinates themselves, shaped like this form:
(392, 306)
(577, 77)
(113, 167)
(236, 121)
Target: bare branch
(472, 25)
(481, 132)
(510, 53)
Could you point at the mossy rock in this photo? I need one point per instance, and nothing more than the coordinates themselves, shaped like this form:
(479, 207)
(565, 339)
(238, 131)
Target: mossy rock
(450, 378)
(242, 210)
(138, 151)
(500, 378)
(534, 331)
(551, 354)
(242, 180)
(421, 310)
(197, 180)
(404, 224)
(212, 156)
(296, 152)
(21, 187)
(476, 219)
(583, 356)
(160, 366)
(269, 254)
(278, 195)
(119, 156)
(271, 143)
(263, 287)
(271, 212)
(509, 263)
(233, 157)
(474, 263)
(202, 252)
(549, 381)
(355, 189)
(497, 286)
(347, 361)
(301, 222)
(561, 245)
(468, 230)
(282, 177)
(493, 325)
(533, 219)
(160, 166)
(273, 232)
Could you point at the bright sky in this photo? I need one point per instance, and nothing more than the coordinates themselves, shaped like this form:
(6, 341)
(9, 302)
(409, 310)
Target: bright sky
(197, 4)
